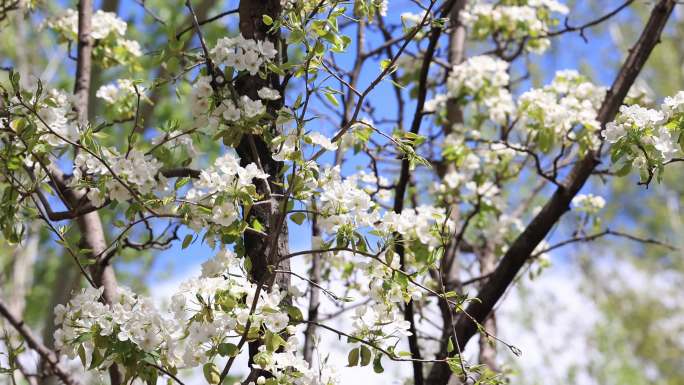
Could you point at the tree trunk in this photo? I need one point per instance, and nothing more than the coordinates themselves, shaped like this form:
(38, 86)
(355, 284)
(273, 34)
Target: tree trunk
(263, 253)
(90, 225)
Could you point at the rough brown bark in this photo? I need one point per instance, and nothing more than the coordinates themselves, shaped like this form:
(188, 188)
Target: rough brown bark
(21, 278)
(402, 185)
(90, 225)
(523, 246)
(253, 148)
(96, 81)
(263, 253)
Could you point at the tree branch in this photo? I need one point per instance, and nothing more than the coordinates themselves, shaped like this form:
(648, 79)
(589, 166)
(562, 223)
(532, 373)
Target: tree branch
(47, 355)
(524, 245)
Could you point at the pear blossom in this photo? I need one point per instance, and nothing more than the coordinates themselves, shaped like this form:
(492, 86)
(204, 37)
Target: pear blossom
(318, 139)
(479, 75)
(588, 203)
(268, 93)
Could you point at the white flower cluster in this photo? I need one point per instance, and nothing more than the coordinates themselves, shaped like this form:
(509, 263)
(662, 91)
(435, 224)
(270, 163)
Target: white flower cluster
(483, 78)
(479, 76)
(228, 111)
(382, 6)
(107, 28)
(475, 169)
(115, 93)
(371, 184)
(589, 203)
(673, 105)
(53, 119)
(268, 93)
(501, 227)
(176, 139)
(104, 24)
(243, 54)
(639, 93)
(129, 318)
(516, 21)
(288, 145)
(379, 320)
(411, 20)
(204, 321)
(139, 171)
(220, 185)
(344, 206)
(630, 118)
(321, 140)
(553, 111)
(500, 106)
(422, 223)
(647, 137)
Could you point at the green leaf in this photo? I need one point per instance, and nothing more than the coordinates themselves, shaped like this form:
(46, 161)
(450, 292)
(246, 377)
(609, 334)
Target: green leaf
(15, 78)
(450, 346)
(294, 313)
(377, 364)
(256, 225)
(274, 68)
(365, 355)
(624, 170)
(98, 358)
(211, 373)
(152, 378)
(332, 99)
(296, 36)
(353, 357)
(82, 354)
(227, 349)
(298, 218)
(186, 241)
(180, 182)
(455, 365)
(274, 341)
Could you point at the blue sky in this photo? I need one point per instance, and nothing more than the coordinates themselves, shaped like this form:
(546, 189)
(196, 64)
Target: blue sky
(569, 52)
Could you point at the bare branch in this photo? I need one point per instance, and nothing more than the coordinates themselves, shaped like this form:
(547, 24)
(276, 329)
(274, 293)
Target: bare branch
(46, 354)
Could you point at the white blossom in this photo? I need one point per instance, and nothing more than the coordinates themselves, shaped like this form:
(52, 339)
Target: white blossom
(319, 139)
(479, 75)
(588, 203)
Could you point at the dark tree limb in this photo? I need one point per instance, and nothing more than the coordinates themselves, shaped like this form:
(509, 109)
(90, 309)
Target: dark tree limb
(402, 184)
(523, 246)
(205, 21)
